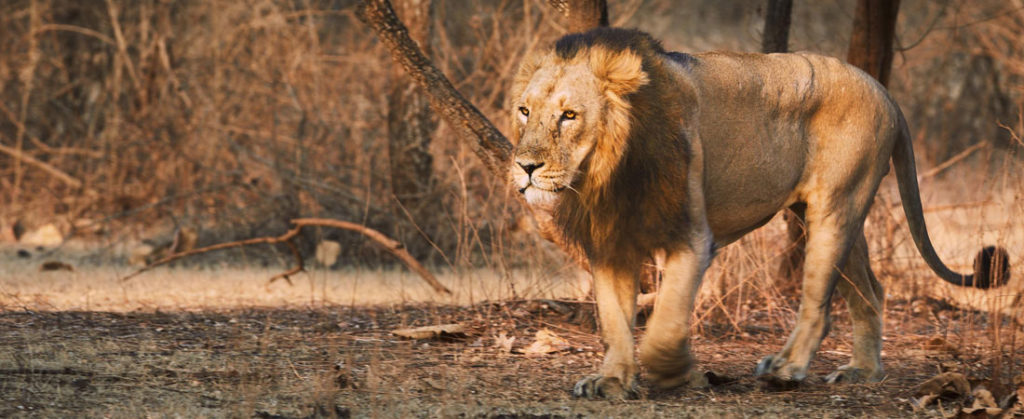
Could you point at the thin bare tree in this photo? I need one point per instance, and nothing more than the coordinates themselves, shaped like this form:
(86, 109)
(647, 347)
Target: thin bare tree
(410, 126)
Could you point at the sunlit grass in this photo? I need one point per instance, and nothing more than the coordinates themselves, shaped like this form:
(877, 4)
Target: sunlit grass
(24, 287)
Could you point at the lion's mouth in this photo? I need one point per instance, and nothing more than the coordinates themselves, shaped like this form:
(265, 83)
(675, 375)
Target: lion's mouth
(539, 196)
(556, 189)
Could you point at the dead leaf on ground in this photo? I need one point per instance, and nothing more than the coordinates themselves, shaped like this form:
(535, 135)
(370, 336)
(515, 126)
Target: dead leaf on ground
(921, 308)
(435, 384)
(453, 330)
(546, 342)
(939, 345)
(984, 405)
(945, 386)
(504, 342)
(718, 379)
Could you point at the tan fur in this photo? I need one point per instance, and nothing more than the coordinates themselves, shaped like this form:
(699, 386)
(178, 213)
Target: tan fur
(619, 74)
(676, 155)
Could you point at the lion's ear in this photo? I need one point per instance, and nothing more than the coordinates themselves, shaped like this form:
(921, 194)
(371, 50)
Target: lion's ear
(621, 71)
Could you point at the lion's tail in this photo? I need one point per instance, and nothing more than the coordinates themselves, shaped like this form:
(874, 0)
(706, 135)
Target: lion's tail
(992, 264)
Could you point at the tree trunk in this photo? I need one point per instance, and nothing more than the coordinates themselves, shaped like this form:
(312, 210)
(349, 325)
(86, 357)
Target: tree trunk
(776, 39)
(410, 126)
(874, 28)
(776, 26)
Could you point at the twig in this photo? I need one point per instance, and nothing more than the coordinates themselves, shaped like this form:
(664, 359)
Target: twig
(53, 171)
(466, 120)
(73, 28)
(221, 246)
(298, 264)
(953, 160)
(392, 246)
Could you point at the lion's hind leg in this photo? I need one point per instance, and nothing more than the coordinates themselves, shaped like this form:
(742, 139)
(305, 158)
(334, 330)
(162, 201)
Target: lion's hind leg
(830, 236)
(864, 296)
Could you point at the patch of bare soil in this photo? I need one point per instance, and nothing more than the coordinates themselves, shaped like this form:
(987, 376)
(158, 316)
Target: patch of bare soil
(345, 362)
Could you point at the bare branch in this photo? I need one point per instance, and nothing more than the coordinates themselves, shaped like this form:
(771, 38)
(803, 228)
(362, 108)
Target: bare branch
(392, 246)
(953, 160)
(53, 171)
(470, 125)
(299, 265)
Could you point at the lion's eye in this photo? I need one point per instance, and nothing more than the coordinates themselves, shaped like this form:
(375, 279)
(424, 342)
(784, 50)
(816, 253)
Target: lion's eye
(524, 111)
(569, 115)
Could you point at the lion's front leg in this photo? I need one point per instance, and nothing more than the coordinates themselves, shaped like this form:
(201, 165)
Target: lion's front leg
(615, 291)
(665, 350)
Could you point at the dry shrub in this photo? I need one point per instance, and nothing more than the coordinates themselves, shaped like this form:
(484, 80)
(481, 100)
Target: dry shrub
(235, 116)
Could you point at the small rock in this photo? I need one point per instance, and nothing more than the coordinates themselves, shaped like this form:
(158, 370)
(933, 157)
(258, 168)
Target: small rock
(327, 252)
(48, 235)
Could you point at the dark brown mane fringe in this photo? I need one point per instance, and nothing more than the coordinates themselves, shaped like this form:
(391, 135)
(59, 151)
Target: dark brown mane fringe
(642, 208)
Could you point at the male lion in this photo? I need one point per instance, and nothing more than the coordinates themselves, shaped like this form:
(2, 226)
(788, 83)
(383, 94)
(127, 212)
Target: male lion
(635, 151)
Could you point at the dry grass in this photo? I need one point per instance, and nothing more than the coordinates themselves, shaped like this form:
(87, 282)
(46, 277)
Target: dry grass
(234, 116)
(24, 287)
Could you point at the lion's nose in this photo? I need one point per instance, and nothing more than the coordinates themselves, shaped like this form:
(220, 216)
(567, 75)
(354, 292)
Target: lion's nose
(530, 167)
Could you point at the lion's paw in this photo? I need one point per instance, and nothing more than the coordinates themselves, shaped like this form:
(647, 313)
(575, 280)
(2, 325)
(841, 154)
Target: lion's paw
(850, 374)
(776, 374)
(690, 378)
(599, 386)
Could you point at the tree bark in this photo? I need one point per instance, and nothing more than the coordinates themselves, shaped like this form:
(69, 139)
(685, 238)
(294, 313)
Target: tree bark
(410, 127)
(583, 15)
(874, 28)
(776, 26)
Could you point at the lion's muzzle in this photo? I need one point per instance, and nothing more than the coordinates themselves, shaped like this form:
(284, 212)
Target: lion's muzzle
(529, 179)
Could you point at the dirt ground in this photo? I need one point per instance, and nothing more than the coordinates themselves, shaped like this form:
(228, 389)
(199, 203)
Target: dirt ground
(344, 361)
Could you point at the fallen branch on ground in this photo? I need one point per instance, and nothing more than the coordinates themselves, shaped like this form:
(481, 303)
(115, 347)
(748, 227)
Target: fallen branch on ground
(392, 246)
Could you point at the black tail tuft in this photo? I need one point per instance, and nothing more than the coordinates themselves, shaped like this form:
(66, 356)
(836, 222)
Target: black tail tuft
(991, 268)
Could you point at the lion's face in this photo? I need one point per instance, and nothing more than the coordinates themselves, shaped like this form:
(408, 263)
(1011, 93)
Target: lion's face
(570, 117)
(556, 120)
